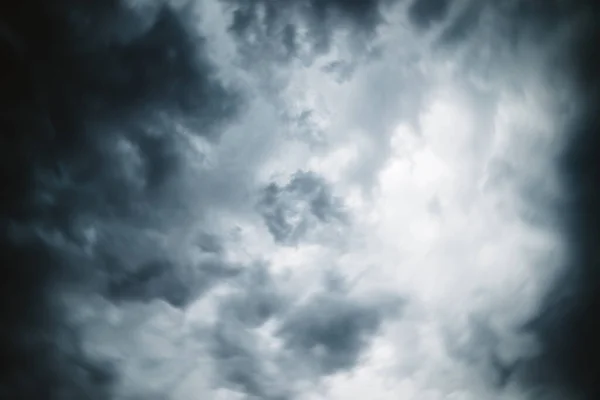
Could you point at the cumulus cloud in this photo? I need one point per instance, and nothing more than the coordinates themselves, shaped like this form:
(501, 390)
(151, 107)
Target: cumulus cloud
(297, 200)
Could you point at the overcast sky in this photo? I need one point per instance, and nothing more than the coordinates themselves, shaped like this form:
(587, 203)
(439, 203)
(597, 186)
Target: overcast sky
(299, 200)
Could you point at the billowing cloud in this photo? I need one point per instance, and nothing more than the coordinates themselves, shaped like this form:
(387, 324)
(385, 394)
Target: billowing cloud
(299, 200)
(331, 331)
(301, 28)
(291, 211)
(93, 94)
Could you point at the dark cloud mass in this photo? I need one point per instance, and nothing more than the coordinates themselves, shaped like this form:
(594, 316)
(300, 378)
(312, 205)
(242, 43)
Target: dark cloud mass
(464, 23)
(90, 93)
(272, 27)
(321, 335)
(239, 358)
(569, 323)
(331, 331)
(425, 12)
(291, 211)
(94, 98)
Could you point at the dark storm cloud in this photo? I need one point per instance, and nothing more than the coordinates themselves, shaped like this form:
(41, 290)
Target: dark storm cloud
(290, 211)
(164, 279)
(275, 24)
(425, 12)
(136, 265)
(154, 279)
(341, 69)
(519, 19)
(321, 335)
(569, 323)
(89, 95)
(40, 358)
(463, 24)
(239, 359)
(98, 99)
(209, 243)
(330, 331)
(256, 301)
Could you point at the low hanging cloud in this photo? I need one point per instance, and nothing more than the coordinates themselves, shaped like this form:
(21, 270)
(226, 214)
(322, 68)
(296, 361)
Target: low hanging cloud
(182, 180)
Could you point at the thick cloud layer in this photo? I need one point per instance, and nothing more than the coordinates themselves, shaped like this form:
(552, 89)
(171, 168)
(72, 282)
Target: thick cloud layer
(568, 321)
(299, 200)
(91, 95)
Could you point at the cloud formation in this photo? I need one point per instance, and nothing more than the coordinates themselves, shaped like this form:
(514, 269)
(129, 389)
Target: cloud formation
(425, 12)
(292, 210)
(91, 98)
(299, 200)
(301, 28)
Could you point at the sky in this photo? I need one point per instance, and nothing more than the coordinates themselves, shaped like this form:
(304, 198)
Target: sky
(300, 200)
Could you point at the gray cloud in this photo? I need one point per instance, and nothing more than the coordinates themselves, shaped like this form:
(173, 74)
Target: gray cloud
(321, 335)
(239, 361)
(464, 23)
(330, 331)
(258, 299)
(100, 105)
(239, 358)
(480, 347)
(425, 12)
(90, 102)
(343, 70)
(154, 279)
(274, 28)
(565, 322)
(163, 279)
(291, 211)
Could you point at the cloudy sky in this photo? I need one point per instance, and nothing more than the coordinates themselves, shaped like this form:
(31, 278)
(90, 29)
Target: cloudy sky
(300, 200)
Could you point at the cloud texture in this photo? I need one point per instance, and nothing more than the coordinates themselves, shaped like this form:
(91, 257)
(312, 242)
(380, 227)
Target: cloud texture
(305, 200)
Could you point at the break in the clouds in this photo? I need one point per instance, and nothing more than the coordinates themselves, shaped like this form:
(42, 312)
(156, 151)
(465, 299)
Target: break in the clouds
(299, 200)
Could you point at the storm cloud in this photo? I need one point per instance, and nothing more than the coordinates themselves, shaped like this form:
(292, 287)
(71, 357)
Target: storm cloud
(91, 95)
(280, 25)
(331, 331)
(425, 12)
(292, 210)
(299, 199)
